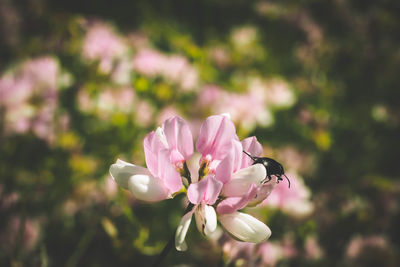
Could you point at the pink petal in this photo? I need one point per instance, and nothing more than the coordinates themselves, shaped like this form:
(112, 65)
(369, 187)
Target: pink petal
(233, 204)
(253, 147)
(264, 192)
(231, 163)
(215, 136)
(152, 145)
(207, 190)
(179, 138)
(167, 172)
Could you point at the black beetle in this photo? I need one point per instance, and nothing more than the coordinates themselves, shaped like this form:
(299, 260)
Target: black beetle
(271, 166)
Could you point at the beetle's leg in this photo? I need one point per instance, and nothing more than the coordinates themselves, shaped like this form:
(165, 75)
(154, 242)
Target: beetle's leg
(266, 180)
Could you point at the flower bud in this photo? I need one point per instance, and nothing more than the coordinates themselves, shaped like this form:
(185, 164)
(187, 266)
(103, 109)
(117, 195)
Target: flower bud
(139, 181)
(245, 227)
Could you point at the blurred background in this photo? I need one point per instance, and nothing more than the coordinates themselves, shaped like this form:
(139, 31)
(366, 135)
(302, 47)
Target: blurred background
(82, 83)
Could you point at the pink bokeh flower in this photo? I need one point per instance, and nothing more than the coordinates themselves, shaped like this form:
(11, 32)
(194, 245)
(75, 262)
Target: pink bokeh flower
(215, 100)
(174, 68)
(107, 102)
(294, 202)
(103, 44)
(26, 231)
(29, 97)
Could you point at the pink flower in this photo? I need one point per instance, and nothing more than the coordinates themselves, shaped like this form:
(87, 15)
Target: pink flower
(237, 105)
(101, 43)
(163, 153)
(174, 68)
(202, 194)
(295, 202)
(225, 173)
(215, 139)
(222, 157)
(148, 62)
(29, 97)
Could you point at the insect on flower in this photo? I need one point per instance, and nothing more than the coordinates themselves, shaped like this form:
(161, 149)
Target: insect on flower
(271, 166)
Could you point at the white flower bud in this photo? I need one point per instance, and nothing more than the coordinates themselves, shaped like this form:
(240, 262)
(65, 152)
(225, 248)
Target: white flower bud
(245, 227)
(139, 181)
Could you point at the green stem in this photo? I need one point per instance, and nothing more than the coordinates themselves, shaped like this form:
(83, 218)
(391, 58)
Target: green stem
(170, 244)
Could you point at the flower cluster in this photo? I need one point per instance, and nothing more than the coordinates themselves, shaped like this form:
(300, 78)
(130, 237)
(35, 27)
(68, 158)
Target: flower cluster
(29, 97)
(226, 181)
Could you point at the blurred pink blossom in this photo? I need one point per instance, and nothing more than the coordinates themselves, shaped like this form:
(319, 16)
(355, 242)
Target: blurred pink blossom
(294, 200)
(279, 93)
(148, 62)
(174, 68)
(312, 248)
(270, 253)
(235, 250)
(7, 200)
(167, 112)
(243, 36)
(247, 109)
(294, 159)
(144, 112)
(103, 44)
(220, 56)
(107, 102)
(29, 230)
(29, 96)
(359, 243)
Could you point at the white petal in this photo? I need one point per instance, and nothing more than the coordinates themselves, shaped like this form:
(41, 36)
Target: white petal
(147, 188)
(161, 135)
(206, 219)
(226, 114)
(121, 172)
(245, 227)
(139, 181)
(181, 231)
(242, 179)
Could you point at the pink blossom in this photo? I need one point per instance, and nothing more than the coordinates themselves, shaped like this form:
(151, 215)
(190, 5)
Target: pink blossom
(7, 200)
(237, 105)
(101, 43)
(144, 112)
(312, 248)
(29, 96)
(236, 249)
(174, 68)
(215, 138)
(279, 93)
(270, 253)
(163, 153)
(205, 191)
(358, 244)
(210, 95)
(148, 62)
(29, 235)
(167, 112)
(225, 171)
(240, 184)
(108, 101)
(295, 202)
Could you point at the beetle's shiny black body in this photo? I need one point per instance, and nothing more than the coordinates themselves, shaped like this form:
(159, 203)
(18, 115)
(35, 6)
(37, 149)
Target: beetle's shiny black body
(271, 166)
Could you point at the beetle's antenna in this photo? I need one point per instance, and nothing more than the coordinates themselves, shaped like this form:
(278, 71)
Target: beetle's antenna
(253, 158)
(287, 179)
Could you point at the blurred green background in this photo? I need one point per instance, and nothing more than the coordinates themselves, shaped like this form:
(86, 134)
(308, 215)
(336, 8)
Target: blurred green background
(82, 83)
